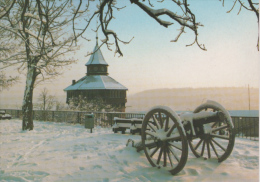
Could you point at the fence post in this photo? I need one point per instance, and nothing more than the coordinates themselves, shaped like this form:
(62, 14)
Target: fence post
(238, 129)
(78, 118)
(111, 119)
(250, 128)
(254, 129)
(242, 127)
(52, 116)
(247, 127)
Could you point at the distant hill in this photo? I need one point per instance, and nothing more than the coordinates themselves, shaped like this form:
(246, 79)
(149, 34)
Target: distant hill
(187, 99)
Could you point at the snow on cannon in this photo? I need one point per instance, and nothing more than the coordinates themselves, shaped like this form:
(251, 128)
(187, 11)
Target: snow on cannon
(208, 131)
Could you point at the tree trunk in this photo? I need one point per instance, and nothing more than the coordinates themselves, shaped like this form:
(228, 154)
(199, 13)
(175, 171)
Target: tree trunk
(28, 98)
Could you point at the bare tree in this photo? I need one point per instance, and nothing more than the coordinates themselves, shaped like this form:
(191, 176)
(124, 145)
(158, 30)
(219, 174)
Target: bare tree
(38, 32)
(59, 105)
(185, 18)
(42, 32)
(181, 14)
(6, 82)
(45, 100)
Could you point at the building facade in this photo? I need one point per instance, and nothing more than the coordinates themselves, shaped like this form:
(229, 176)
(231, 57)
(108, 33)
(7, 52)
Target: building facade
(97, 83)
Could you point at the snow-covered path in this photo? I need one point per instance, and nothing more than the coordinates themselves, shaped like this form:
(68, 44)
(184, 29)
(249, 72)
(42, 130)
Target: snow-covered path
(65, 152)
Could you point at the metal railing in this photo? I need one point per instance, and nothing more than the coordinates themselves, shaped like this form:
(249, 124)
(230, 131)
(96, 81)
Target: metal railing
(245, 127)
(101, 118)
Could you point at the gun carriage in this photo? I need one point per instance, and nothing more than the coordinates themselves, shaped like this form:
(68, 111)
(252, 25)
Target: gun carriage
(165, 136)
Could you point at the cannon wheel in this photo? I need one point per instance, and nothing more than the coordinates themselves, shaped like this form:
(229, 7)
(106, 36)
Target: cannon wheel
(164, 140)
(220, 138)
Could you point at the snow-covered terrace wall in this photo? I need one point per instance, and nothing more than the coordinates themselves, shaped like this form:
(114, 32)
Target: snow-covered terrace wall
(246, 122)
(101, 118)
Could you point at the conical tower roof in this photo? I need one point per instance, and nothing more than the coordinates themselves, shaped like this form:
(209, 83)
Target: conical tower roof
(96, 58)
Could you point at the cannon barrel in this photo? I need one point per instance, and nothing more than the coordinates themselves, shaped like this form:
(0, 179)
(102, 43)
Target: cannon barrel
(203, 117)
(208, 115)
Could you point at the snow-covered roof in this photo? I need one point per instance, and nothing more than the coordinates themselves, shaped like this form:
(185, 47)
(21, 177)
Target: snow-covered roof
(244, 113)
(96, 57)
(96, 82)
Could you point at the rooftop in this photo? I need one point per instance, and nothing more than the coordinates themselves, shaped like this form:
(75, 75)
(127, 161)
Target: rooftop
(96, 82)
(96, 57)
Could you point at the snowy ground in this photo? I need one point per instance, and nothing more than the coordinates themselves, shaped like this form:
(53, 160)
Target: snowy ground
(64, 152)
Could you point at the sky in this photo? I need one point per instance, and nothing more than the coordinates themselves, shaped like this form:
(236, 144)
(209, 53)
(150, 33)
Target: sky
(151, 61)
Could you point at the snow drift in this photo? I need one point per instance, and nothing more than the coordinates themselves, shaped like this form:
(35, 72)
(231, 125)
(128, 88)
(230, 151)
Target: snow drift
(64, 152)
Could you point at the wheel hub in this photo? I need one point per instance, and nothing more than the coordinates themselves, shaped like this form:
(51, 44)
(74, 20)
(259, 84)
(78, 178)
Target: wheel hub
(207, 137)
(207, 128)
(161, 135)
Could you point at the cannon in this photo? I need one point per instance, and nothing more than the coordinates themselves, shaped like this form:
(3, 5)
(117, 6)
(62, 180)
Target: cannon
(166, 136)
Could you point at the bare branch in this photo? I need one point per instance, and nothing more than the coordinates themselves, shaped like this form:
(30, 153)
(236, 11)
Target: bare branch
(178, 36)
(73, 19)
(252, 7)
(4, 11)
(232, 7)
(156, 13)
(5, 82)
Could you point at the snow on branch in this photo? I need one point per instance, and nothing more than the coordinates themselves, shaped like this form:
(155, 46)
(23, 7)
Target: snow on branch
(36, 17)
(33, 35)
(155, 13)
(6, 82)
(10, 29)
(105, 16)
(186, 20)
(4, 11)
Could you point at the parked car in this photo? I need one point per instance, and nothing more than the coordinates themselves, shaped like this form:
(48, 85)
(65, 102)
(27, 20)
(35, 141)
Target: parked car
(3, 115)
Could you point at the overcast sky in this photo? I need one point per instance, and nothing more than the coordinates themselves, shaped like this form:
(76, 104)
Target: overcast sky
(151, 61)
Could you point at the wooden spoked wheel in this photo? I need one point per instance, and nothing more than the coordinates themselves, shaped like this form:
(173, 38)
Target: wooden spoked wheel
(215, 139)
(163, 139)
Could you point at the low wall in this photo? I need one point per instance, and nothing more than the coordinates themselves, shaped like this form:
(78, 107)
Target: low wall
(101, 118)
(244, 126)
